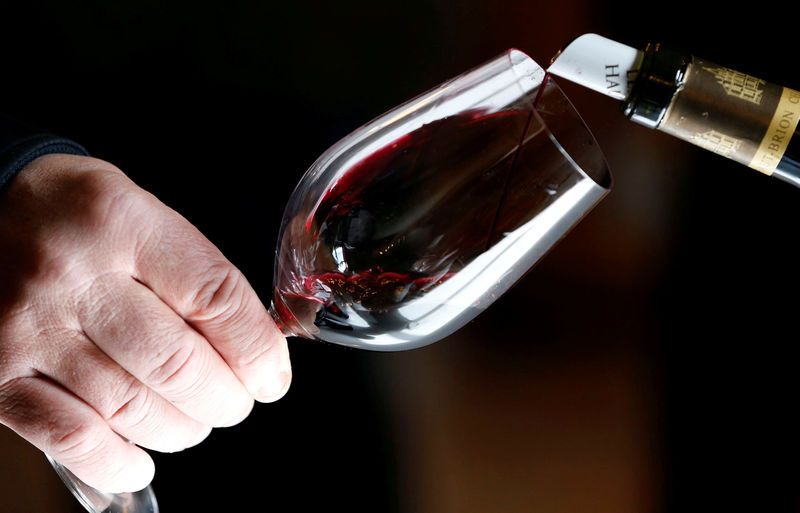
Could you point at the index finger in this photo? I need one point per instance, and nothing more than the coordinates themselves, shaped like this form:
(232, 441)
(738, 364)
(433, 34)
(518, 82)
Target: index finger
(192, 276)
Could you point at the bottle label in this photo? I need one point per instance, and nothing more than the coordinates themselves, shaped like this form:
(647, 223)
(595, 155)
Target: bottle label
(779, 132)
(733, 114)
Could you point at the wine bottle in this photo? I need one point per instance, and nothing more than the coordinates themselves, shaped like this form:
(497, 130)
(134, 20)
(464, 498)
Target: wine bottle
(738, 116)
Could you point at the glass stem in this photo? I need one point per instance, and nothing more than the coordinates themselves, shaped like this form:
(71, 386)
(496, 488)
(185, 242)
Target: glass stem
(282, 326)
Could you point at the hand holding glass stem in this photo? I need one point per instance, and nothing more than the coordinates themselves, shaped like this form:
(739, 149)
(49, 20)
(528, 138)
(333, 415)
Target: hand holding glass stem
(125, 321)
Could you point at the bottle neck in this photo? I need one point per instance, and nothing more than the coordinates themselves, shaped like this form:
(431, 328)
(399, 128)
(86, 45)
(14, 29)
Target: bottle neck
(735, 115)
(660, 77)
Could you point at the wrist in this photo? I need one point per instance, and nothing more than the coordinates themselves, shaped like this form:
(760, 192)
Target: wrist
(21, 145)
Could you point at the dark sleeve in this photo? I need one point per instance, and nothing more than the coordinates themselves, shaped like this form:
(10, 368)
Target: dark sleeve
(21, 144)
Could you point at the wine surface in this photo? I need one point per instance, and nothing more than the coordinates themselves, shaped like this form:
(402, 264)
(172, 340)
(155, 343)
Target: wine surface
(401, 221)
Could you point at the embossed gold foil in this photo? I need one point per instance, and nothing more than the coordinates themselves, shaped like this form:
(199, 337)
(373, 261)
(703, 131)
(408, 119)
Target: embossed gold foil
(733, 114)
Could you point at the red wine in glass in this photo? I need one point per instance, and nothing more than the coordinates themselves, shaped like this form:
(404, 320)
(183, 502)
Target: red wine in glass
(412, 225)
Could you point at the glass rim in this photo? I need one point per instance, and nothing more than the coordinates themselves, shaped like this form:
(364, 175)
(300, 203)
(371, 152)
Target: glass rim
(524, 66)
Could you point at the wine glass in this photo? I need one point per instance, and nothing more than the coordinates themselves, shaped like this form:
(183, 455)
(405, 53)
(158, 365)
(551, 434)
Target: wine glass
(409, 227)
(412, 225)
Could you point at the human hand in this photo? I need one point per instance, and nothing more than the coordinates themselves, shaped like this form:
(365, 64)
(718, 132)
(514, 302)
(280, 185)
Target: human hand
(117, 317)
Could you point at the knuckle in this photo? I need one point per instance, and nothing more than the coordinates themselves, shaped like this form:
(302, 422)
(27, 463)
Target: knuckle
(137, 412)
(106, 204)
(178, 372)
(12, 398)
(221, 294)
(88, 194)
(76, 442)
(255, 350)
(130, 406)
(13, 362)
(107, 198)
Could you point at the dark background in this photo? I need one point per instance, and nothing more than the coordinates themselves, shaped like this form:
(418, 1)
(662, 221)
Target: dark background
(646, 365)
